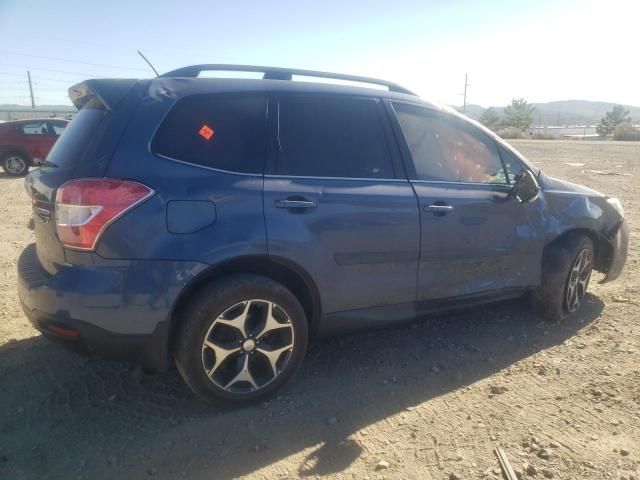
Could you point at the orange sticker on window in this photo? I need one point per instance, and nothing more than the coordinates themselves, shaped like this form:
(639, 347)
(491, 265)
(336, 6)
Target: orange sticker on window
(206, 132)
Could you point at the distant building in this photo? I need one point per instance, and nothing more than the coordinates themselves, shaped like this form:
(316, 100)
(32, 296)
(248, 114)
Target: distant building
(18, 113)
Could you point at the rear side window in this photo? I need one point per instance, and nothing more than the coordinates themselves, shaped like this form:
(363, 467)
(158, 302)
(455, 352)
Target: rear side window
(39, 128)
(335, 136)
(57, 127)
(444, 148)
(226, 132)
(86, 125)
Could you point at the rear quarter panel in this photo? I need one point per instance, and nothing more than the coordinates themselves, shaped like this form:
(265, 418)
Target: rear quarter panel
(143, 232)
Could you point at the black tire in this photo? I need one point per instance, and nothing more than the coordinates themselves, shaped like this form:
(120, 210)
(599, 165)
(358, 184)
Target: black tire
(207, 307)
(15, 164)
(550, 298)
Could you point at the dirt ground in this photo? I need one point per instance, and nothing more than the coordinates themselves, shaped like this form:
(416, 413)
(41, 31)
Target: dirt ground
(430, 400)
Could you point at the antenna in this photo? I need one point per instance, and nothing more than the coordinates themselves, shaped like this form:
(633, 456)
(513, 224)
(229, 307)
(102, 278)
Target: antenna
(148, 63)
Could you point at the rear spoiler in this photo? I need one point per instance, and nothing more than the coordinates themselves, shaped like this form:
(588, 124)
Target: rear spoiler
(109, 91)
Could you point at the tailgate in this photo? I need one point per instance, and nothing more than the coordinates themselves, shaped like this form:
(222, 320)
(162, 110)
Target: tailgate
(83, 150)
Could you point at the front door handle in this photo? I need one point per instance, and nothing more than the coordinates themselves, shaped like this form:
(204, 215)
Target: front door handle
(438, 208)
(295, 204)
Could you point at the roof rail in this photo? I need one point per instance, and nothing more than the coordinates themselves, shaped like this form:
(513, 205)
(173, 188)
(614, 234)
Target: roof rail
(276, 73)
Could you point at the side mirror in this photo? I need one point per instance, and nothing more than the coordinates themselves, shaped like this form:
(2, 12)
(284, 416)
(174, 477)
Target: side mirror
(525, 188)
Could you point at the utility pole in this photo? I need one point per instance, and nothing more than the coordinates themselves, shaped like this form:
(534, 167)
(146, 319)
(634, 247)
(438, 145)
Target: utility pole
(33, 103)
(464, 102)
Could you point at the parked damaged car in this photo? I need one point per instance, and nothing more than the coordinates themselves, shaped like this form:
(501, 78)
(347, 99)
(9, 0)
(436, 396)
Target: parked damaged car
(219, 223)
(26, 143)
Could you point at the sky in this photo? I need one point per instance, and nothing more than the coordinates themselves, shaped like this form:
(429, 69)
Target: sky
(541, 50)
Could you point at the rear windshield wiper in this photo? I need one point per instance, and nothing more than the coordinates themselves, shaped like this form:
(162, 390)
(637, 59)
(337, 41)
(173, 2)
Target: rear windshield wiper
(45, 163)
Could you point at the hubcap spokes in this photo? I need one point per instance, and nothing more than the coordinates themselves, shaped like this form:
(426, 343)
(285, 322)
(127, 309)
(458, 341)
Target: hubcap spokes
(247, 346)
(578, 280)
(15, 164)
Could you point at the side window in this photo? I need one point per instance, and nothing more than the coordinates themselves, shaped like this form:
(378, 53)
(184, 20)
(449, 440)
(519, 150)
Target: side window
(57, 128)
(39, 128)
(443, 148)
(227, 132)
(322, 136)
(512, 165)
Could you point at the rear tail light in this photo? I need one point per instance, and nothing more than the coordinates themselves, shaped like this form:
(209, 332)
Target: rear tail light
(86, 207)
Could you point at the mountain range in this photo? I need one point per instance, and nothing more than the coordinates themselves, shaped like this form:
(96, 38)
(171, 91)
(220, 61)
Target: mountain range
(563, 112)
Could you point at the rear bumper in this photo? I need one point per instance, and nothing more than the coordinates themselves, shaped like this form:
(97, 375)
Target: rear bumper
(619, 251)
(118, 311)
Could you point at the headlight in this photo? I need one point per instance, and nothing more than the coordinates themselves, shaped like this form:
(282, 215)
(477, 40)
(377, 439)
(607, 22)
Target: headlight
(617, 206)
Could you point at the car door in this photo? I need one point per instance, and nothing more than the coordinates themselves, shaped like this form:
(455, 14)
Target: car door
(476, 237)
(337, 202)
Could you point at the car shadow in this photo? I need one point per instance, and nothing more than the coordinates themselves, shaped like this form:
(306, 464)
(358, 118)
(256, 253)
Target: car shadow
(86, 416)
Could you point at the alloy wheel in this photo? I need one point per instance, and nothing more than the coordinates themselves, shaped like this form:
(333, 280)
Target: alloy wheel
(578, 280)
(248, 346)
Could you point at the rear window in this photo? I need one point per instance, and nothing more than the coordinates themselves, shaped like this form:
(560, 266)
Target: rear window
(69, 147)
(226, 132)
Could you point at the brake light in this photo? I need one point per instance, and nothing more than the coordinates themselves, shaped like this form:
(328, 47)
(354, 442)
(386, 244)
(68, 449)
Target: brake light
(86, 207)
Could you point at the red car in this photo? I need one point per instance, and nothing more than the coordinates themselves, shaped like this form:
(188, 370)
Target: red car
(24, 143)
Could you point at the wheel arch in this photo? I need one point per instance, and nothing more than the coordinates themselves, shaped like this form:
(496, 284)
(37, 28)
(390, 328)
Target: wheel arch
(278, 269)
(9, 149)
(601, 245)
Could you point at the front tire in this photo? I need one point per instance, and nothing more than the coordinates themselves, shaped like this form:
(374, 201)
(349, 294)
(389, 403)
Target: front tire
(566, 271)
(15, 164)
(241, 339)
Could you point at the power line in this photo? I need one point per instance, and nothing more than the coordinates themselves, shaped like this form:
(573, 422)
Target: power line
(14, 74)
(55, 79)
(26, 67)
(74, 61)
(48, 89)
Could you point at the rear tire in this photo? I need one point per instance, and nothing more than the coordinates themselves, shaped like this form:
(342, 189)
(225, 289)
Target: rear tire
(566, 271)
(15, 164)
(240, 339)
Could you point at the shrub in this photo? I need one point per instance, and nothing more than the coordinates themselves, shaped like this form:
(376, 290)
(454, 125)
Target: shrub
(510, 133)
(543, 136)
(626, 131)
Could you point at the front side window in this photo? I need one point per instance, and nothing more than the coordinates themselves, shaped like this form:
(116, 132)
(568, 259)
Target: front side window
(332, 136)
(39, 128)
(443, 148)
(512, 165)
(226, 132)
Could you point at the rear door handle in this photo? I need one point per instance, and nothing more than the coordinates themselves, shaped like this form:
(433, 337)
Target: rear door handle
(295, 204)
(439, 208)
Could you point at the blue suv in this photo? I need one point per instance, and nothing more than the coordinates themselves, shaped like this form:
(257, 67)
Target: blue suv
(219, 223)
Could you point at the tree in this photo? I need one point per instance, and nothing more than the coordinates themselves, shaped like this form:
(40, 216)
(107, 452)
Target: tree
(612, 119)
(519, 114)
(490, 119)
